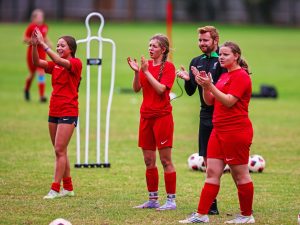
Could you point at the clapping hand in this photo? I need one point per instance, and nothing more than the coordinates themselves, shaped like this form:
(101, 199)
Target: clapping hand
(183, 74)
(202, 78)
(133, 64)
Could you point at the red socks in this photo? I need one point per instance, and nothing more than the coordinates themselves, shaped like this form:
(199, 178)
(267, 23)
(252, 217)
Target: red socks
(208, 195)
(170, 182)
(42, 89)
(152, 179)
(28, 84)
(67, 183)
(245, 193)
(55, 186)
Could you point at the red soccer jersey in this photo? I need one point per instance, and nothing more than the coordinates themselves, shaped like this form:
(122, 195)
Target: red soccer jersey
(65, 84)
(155, 105)
(238, 84)
(44, 30)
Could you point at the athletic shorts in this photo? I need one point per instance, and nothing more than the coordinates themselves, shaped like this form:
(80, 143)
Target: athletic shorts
(232, 147)
(205, 128)
(156, 133)
(64, 119)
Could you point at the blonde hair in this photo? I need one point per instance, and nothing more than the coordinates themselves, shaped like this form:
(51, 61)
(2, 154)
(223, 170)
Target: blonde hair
(35, 13)
(210, 29)
(163, 42)
(236, 50)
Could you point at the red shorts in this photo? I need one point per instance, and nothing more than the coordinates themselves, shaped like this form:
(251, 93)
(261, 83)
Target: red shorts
(156, 133)
(32, 68)
(232, 147)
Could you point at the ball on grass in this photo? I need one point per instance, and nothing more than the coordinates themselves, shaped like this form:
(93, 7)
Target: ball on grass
(60, 221)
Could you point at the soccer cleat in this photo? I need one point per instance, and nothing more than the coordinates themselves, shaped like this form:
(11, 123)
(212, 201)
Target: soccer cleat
(66, 193)
(151, 204)
(51, 195)
(27, 95)
(169, 205)
(241, 219)
(43, 99)
(195, 218)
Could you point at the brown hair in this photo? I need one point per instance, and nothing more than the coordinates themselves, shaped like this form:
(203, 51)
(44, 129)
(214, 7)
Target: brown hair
(71, 43)
(211, 29)
(236, 50)
(163, 42)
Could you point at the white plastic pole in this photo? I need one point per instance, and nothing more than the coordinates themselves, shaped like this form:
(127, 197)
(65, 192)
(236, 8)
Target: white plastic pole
(100, 40)
(112, 81)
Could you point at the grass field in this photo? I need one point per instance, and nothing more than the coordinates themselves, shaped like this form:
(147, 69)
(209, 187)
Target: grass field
(106, 196)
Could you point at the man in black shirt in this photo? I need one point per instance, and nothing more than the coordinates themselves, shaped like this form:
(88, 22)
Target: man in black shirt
(208, 61)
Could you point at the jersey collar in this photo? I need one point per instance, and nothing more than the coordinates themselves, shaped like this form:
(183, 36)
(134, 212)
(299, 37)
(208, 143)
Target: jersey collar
(212, 55)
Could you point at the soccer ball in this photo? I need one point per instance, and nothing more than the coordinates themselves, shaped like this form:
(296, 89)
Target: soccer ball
(256, 163)
(194, 161)
(60, 221)
(202, 166)
(226, 169)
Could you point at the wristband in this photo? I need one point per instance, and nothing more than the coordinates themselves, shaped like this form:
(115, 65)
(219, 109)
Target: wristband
(46, 49)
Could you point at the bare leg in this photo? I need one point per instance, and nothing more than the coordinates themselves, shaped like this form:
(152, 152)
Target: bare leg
(62, 139)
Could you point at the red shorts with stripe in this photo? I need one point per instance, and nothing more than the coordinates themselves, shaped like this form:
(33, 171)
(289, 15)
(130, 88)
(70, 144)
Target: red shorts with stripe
(232, 147)
(156, 132)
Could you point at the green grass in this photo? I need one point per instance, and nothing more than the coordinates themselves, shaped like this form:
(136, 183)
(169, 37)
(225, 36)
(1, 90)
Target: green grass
(106, 196)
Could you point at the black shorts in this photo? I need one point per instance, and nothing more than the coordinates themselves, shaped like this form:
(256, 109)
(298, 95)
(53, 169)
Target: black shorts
(205, 128)
(64, 119)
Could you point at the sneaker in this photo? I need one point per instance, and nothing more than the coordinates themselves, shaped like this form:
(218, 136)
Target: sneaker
(27, 95)
(66, 193)
(51, 195)
(242, 219)
(148, 205)
(169, 205)
(43, 99)
(195, 218)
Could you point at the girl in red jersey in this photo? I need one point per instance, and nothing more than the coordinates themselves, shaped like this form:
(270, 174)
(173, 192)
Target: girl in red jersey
(37, 21)
(232, 134)
(156, 77)
(66, 75)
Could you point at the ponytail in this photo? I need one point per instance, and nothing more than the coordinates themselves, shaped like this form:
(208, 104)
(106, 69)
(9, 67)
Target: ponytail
(244, 65)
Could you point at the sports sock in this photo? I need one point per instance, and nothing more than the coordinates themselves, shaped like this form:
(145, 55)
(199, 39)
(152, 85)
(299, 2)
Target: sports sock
(67, 183)
(170, 184)
(55, 186)
(245, 193)
(214, 205)
(28, 84)
(152, 182)
(41, 81)
(208, 195)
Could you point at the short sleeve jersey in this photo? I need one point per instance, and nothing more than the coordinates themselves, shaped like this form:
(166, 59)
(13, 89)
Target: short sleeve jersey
(65, 85)
(44, 30)
(237, 83)
(155, 105)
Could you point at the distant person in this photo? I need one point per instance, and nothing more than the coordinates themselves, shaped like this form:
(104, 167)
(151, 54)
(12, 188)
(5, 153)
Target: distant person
(232, 134)
(156, 77)
(37, 21)
(208, 40)
(65, 69)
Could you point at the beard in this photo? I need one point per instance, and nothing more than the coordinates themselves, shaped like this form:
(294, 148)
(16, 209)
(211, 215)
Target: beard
(207, 49)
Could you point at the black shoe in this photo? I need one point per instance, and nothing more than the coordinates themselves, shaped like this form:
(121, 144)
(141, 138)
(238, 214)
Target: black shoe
(213, 212)
(213, 208)
(27, 95)
(43, 99)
